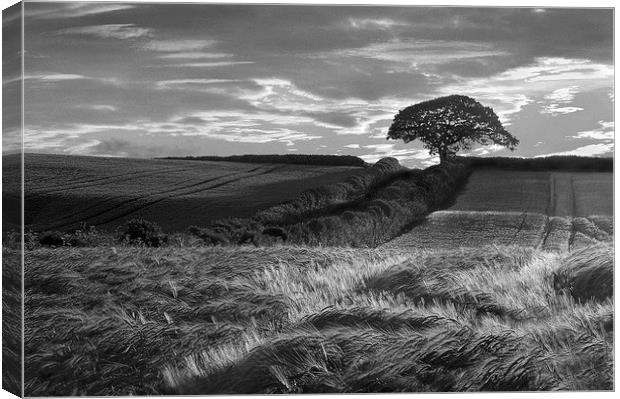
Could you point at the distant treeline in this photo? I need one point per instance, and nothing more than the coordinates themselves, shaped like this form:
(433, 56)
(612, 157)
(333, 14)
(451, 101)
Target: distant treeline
(567, 162)
(297, 159)
(364, 211)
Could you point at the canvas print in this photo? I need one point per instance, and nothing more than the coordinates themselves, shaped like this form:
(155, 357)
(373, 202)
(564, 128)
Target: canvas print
(231, 198)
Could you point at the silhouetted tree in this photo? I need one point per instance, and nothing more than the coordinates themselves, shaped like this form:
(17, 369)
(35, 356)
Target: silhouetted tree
(449, 124)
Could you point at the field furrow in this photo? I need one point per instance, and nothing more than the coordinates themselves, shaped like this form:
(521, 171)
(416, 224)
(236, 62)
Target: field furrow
(128, 207)
(548, 210)
(450, 229)
(549, 193)
(99, 207)
(115, 179)
(62, 191)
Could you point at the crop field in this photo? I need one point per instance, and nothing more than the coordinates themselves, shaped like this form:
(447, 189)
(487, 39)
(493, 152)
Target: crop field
(507, 289)
(63, 191)
(551, 193)
(105, 321)
(547, 210)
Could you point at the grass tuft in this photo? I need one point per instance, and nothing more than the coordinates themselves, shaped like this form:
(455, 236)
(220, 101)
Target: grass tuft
(587, 274)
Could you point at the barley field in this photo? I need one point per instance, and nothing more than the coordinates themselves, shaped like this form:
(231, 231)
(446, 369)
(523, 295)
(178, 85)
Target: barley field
(293, 319)
(516, 297)
(64, 191)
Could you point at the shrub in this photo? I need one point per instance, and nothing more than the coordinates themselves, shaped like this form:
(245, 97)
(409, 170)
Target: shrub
(275, 232)
(51, 239)
(76, 241)
(387, 164)
(11, 239)
(140, 231)
(587, 274)
(247, 237)
(88, 236)
(565, 163)
(209, 236)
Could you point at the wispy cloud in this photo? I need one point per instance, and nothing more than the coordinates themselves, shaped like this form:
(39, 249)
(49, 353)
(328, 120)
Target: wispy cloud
(374, 23)
(563, 95)
(554, 110)
(225, 87)
(489, 149)
(508, 92)
(178, 46)
(604, 132)
(214, 64)
(283, 96)
(55, 77)
(115, 31)
(196, 55)
(591, 150)
(184, 83)
(416, 53)
(51, 77)
(73, 10)
(389, 150)
(98, 107)
(554, 101)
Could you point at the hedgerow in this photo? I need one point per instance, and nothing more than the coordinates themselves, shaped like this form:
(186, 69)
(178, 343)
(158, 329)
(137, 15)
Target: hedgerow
(296, 159)
(564, 163)
(364, 211)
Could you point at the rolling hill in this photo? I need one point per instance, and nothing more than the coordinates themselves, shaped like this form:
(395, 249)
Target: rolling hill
(63, 191)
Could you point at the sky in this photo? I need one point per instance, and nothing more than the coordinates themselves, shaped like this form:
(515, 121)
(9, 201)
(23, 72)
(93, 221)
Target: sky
(148, 80)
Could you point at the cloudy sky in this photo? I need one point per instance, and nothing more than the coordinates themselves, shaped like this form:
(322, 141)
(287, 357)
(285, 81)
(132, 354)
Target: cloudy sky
(144, 80)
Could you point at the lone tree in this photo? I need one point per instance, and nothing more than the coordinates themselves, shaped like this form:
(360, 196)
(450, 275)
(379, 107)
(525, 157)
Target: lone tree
(448, 124)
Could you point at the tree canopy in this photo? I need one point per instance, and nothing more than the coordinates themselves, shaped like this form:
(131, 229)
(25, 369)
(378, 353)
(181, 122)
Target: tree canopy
(449, 124)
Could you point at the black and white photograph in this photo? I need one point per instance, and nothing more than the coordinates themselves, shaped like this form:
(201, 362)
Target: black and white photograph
(220, 198)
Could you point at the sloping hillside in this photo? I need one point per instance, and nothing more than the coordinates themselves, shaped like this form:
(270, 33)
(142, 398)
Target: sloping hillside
(63, 191)
(542, 209)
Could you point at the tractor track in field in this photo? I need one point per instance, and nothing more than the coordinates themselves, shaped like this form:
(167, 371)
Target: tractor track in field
(61, 222)
(521, 224)
(103, 180)
(144, 202)
(552, 222)
(549, 210)
(552, 196)
(546, 233)
(573, 197)
(573, 232)
(102, 202)
(177, 187)
(571, 238)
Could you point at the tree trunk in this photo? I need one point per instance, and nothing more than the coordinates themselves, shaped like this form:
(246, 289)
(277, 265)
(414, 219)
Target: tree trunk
(443, 155)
